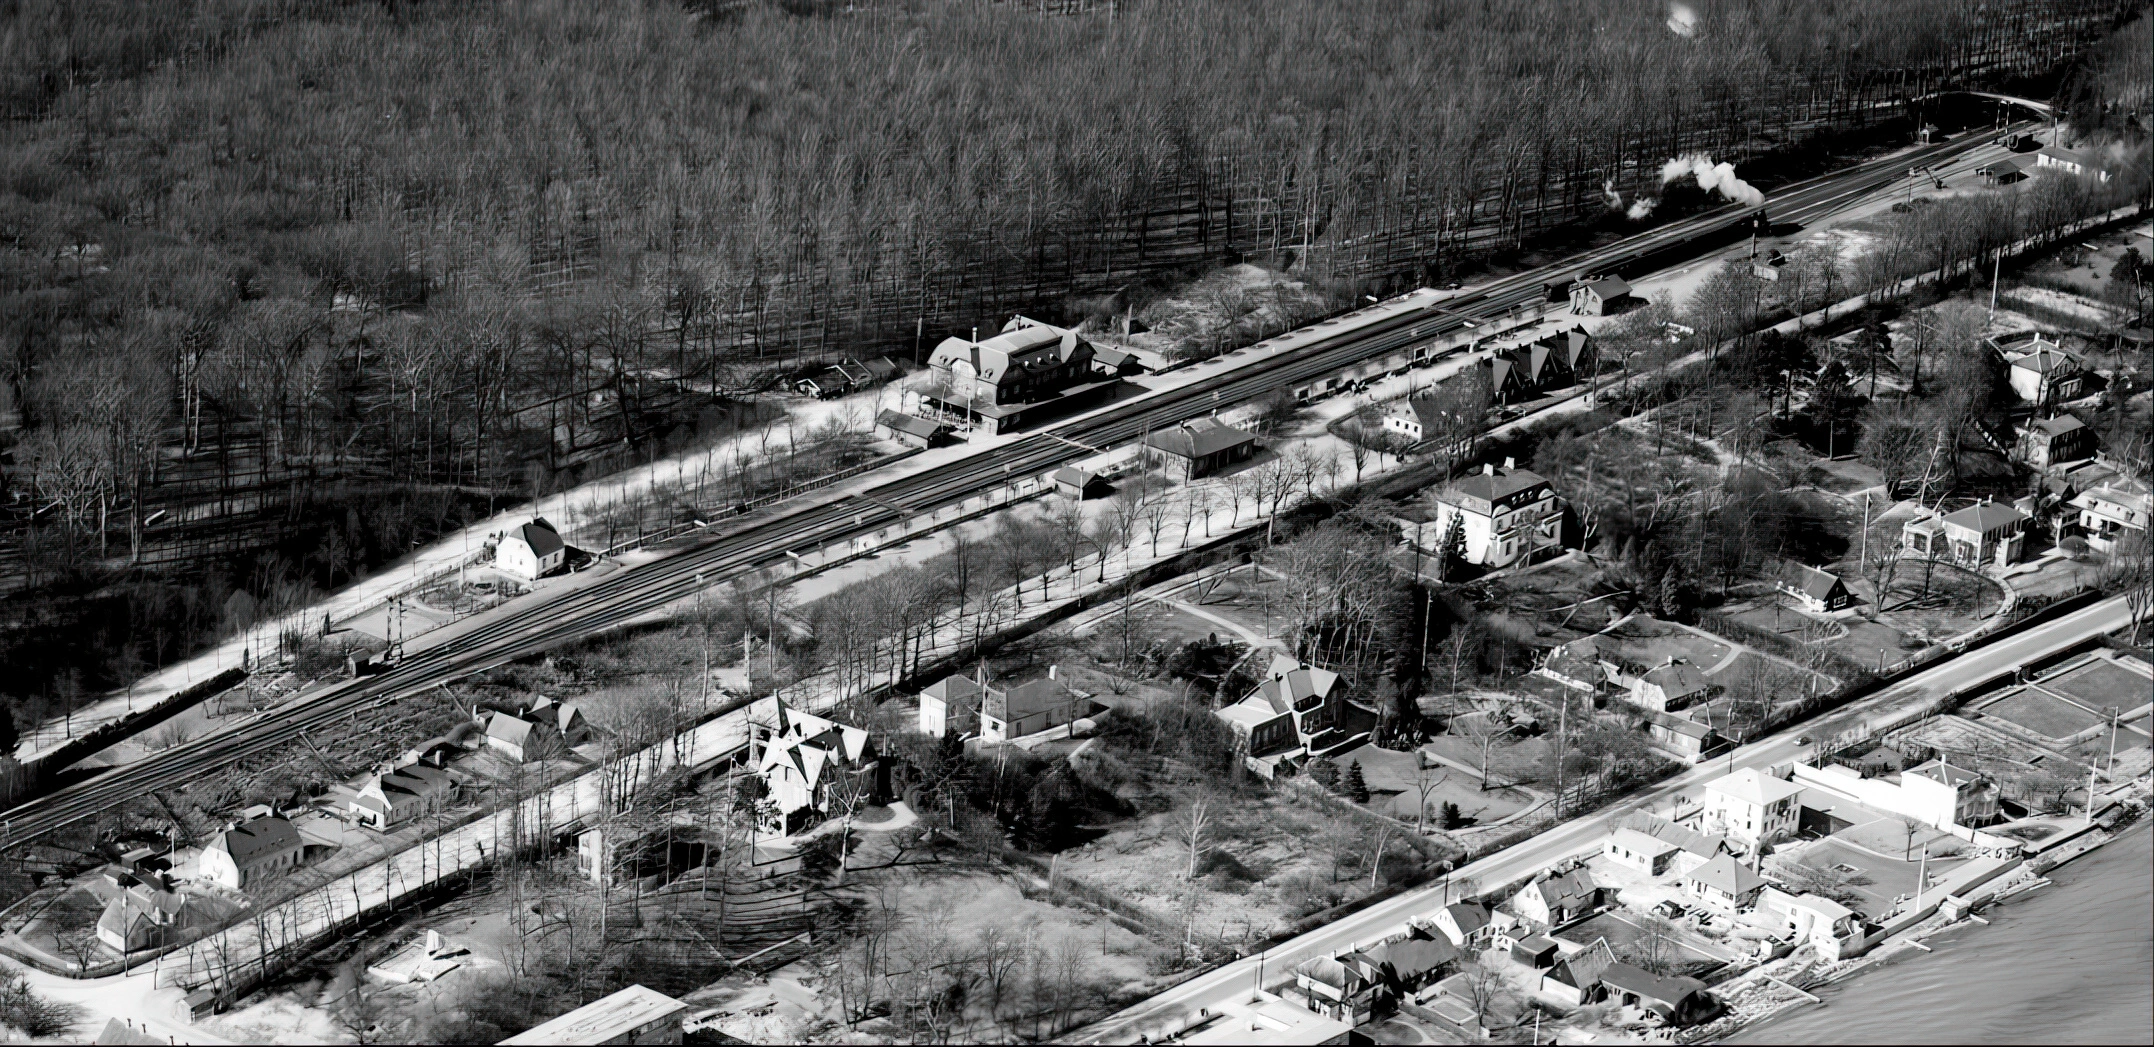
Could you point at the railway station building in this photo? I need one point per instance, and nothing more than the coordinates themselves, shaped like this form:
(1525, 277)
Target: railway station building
(1197, 449)
(1029, 372)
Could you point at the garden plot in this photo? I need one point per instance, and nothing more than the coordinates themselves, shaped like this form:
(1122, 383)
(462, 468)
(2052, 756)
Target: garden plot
(1395, 787)
(2042, 714)
(2103, 684)
(1649, 642)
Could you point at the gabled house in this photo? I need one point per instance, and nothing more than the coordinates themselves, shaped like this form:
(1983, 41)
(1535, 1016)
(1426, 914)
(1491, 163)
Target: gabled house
(1339, 991)
(1818, 591)
(1635, 850)
(1574, 978)
(1600, 296)
(950, 705)
(1466, 924)
(531, 551)
(1285, 713)
(1948, 796)
(542, 731)
(1679, 733)
(262, 844)
(393, 796)
(1698, 846)
(911, 429)
(845, 376)
(994, 379)
(1981, 534)
(2071, 161)
(1584, 664)
(2048, 442)
(1507, 516)
(1725, 884)
(1670, 685)
(1196, 449)
(147, 913)
(1558, 899)
(807, 763)
(1678, 1001)
(2108, 514)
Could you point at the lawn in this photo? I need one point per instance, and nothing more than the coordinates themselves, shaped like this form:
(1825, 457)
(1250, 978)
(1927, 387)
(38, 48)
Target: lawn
(1267, 860)
(2102, 684)
(1394, 785)
(1650, 642)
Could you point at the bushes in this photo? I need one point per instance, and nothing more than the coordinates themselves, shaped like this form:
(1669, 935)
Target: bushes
(35, 1016)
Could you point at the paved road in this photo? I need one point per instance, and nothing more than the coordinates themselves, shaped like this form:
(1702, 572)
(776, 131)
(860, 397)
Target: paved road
(752, 541)
(1389, 917)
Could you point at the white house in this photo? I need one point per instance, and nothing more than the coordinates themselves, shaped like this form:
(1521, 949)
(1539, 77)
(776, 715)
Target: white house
(1833, 929)
(2071, 161)
(951, 706)
(262, 844)
(1557, 899)
(1637, 851)
(1752, 807)
(2043, 374)
(2107, 513)
(805, 760)
(1466, 924)
(1670, 685)
(1724, 883)
(392, 797)
(1507, 516)
(530, 551)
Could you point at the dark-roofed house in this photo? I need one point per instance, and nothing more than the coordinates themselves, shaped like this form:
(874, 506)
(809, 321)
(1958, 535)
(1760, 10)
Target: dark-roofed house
(1277, 721)
(847, 376)
(1679, 732)
(808, 762)
(1506, 515)
(1117, 362)
(1600, 297)
(1467, 924)
(2043, 374)
(1985, 533)
(1558, 899)
(911, 429)
(1340, 991)
(1725, 883)
(1582, 663)
(1678, 1001)
(1199, 448)
(950, 705)
(523, 740)
(1032, 707)
(1574, 978)
(530, 551)
(146, 914)
(996, 379)
(392, 797)
(1669, 686)
(1820, 592)
(248, 851)
(2047, 442)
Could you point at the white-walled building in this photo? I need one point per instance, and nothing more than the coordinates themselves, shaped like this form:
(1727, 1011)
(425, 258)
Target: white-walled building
(1507, 516)
(1752, 807)
(531, 551)
(261, 844)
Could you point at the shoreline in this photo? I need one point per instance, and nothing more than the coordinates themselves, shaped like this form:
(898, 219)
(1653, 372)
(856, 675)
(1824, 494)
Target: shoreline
(2070, 848)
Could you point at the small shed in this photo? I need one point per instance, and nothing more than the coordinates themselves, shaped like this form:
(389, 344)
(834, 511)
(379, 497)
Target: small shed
(1537, 951)
(1072, 482)
(1601, 296)
(912, 430)
(1818, 591)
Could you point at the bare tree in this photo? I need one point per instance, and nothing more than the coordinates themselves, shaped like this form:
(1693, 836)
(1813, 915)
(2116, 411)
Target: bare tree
(1193, 828)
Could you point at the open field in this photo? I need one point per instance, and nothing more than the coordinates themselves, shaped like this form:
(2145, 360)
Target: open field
(2042, 714)
(1395, 788)
(1651, 642)
(2102, 684)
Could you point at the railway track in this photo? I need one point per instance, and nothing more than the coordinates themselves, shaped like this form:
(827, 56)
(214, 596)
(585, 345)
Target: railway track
(748, 542)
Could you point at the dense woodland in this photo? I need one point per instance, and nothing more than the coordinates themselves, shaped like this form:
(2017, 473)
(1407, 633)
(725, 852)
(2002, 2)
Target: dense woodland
(314, 283)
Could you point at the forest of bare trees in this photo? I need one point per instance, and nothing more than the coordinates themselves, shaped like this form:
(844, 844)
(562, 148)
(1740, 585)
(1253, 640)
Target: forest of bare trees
(302, 284)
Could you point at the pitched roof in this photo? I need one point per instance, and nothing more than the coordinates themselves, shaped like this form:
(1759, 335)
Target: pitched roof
(1291, 683)
(1480, 492)
(1025, 699)
(1413, 957)
(1677, 679)
(1608, 287)
(2044, 360)
(1818, 584)
(1582, 969)
(509, 728)
(1574, 885)
(1075, 477)
(2059, 425)
(541, 537)
(1939, 771)
(1201, 438)
(1634, 840)
(954, 691)
(1675, 722)
(1469, 916)
(1691, 841)
(924, 428)
(1985, 517)
(250, 841)
(1751, 785)
(1726, 874)
(1824, 906)
(1327, 970)
(1648, 985)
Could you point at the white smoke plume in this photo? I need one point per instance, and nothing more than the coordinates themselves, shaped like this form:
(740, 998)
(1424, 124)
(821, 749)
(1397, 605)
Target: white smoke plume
(1713, 178)
(1642, 208)
(1682, 21)
(1608, 191)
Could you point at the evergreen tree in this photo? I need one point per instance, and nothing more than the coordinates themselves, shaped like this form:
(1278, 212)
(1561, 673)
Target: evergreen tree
(1674, 594)
(1451, 549)
(1448, 815)
(1357, 788)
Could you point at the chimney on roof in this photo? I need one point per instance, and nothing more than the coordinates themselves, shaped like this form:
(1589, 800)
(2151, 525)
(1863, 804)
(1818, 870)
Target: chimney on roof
(1051, 671)
(1488, 469)
(1510, 464)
